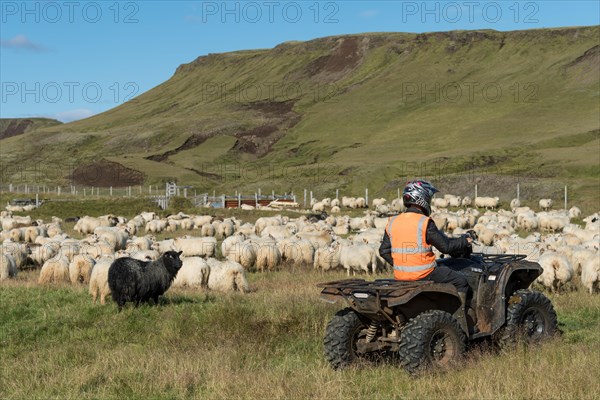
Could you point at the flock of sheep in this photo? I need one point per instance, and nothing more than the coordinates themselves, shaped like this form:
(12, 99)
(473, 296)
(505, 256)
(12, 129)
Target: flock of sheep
(218, 253)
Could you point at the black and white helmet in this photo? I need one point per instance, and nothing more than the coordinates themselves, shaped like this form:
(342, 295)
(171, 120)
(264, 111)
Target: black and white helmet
(419, 193)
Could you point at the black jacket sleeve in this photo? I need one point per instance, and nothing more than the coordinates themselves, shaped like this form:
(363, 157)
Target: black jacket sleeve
(443, 243)
(385, 249)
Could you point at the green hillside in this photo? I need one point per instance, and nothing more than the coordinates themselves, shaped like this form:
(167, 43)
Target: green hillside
(354, 111)
(10, 127)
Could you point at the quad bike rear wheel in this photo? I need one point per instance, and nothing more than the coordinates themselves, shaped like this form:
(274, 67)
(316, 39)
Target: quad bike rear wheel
(341, 336)
(530, 318)
(431, 339)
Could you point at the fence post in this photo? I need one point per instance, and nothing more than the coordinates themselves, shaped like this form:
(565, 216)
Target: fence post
(475, 190)
(58, 190)
(272, 195)
(337, 194)
(304, 198)
(367, 197)
(258, 192)
(185, 192)
(565, 197)
(311, 199)
(518, 192)
(10, 187)
(37, 200)
(223, 198)
(239, 196)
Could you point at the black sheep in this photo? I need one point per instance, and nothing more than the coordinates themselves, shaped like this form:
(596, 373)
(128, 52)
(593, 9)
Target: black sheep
(136, 281)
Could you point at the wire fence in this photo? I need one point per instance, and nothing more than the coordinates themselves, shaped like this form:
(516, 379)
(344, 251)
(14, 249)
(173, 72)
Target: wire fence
(162, 194)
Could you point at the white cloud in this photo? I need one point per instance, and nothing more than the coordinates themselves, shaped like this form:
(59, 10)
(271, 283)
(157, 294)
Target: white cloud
(21, 42)
(369, 13)
(73, 115)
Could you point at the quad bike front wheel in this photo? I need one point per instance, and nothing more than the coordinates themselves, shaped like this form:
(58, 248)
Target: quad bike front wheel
(341, 336)
(530, 318)
(431, 339)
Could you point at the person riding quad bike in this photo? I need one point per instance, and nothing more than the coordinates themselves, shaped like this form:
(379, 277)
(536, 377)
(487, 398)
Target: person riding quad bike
(409, 236)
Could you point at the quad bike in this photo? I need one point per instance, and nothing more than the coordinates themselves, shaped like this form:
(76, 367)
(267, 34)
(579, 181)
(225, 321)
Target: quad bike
(423, 324)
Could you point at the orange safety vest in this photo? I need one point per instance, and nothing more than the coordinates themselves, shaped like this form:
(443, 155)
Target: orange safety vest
(412, 255)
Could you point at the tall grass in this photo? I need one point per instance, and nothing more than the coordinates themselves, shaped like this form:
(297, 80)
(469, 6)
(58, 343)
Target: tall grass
(54, 343)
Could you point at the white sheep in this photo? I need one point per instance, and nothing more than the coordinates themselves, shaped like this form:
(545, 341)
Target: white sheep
(87, 224)
(196, 246)
(8, 268)
(156, 226)
(225, 229)
(327, 258)
(557, 270)
(359, 257)
(318, 207)
(545, 204)
(439, 203)
(18, 252)
(267, 256)
(590, 274)
(41, 253)
(207, 230)
(279, 232)
(243, 253)
(296, 251)
(227, 276)
(263, 222)
(466, 201)
(80, 269)
(194, 273)
(514, 203)
(55, 270)
(99, 280)
(487, 202)
(378, 202)
(317, 238)
(574, 212)
(579, 256)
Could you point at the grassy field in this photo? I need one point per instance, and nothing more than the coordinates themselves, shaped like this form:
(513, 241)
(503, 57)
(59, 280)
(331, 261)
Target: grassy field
(267, 344)
(54, 343)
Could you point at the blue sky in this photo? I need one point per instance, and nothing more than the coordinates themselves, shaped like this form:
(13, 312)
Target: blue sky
(71, 59)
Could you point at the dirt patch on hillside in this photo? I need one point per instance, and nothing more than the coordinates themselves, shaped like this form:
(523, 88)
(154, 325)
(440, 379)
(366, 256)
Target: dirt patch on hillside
(15, 128)
(191, 142)
(106, 173)
(271, 108)
(259, 140)
(586, 67)
(341, 60)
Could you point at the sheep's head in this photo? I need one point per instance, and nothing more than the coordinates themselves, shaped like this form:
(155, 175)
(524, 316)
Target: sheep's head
(172, 261)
